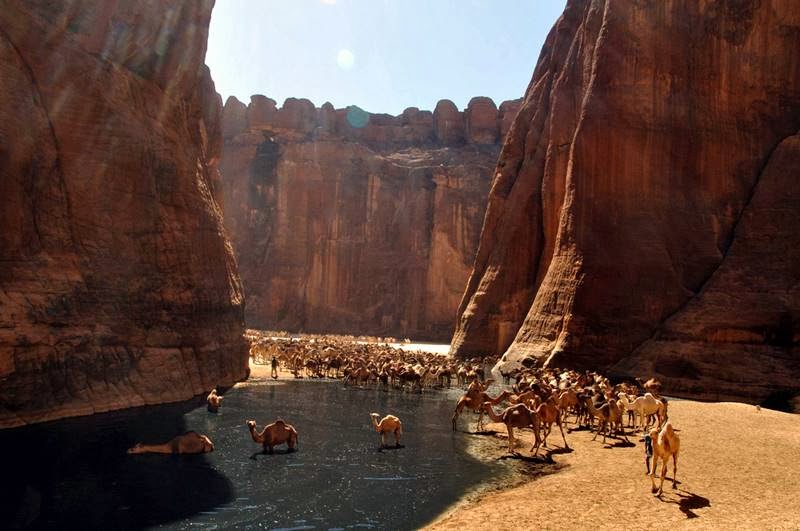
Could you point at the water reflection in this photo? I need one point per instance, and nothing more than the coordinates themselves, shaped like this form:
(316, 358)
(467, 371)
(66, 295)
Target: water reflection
(75, 473)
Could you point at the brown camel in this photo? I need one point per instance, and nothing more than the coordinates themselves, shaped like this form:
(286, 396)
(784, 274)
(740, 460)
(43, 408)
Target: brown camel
(388, 424)
(603, 415)
(549, 413)
(662, 445)
(516, 416)
(214, 401)
(274, 434)
(190, 442)
(474, 399)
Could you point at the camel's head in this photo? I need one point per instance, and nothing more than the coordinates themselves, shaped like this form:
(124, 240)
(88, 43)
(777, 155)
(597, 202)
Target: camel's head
(375, 415)
(208, 446)
(136, 449)
(251, 424)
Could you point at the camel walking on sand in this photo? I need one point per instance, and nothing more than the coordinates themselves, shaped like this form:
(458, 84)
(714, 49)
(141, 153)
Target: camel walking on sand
(549, 413)
(516, 416)
(662, 445)
(388, 424)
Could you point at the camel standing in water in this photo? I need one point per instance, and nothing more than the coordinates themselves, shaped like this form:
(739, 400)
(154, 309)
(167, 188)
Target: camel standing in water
(214, 401)
(190, 442)
(388, 424)
(516, 416)
(274, 434)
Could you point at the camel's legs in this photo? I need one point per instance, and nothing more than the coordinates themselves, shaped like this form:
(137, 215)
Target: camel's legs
(558, 420)
(459, 409)
(397, 434)
(663, 475)
(675, 471)
(510, 438)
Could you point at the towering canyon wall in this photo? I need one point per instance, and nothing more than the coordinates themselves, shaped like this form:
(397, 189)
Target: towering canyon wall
(645, 217)
(350, 222)
(117, 285)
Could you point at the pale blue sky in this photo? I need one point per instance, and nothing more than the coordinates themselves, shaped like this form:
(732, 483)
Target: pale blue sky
(382, 55)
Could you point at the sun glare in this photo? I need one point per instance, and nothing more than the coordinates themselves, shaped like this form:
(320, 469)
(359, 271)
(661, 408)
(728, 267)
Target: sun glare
(345, 59)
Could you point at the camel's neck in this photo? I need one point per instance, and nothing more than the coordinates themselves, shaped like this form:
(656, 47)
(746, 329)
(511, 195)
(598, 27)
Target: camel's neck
(491, 414)
(375, 423)
(257, 437)
(165, 448)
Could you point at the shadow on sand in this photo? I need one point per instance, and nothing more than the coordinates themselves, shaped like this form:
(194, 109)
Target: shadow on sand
(75, 473)
(688, 501)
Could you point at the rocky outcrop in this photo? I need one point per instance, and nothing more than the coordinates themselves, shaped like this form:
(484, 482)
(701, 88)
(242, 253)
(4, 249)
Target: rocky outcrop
(117, 285)
(643, 217)
(350, 222)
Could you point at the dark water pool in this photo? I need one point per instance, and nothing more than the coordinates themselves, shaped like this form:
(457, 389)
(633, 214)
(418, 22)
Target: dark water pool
(76, 474)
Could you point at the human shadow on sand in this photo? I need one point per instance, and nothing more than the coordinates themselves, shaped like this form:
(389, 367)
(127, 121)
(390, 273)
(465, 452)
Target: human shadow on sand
(76, 474)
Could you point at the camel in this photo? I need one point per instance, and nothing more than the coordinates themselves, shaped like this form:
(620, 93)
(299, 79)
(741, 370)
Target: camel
(214, 401)
(272, 435)
(662, 445)
(647, 406)
(474, 399)
(516, 416)
(603, 415)
(548, 414)
(190, 442)
(388, 424)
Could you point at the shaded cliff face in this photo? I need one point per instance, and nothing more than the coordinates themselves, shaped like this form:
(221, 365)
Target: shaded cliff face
(117, 286)
(357, 223)
(643, 215)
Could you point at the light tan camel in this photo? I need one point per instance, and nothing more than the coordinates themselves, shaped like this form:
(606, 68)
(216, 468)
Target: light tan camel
(190, 442)
(662, 445)
(516, 416)
(214, 401)
(473, 399)
(388, 424)
(272, 435)
(645, 407)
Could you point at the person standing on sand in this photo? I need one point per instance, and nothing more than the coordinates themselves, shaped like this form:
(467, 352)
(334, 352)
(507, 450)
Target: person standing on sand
(274, 367)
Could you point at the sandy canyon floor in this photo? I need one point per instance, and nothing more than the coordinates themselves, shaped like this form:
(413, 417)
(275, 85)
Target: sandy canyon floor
(738, 468)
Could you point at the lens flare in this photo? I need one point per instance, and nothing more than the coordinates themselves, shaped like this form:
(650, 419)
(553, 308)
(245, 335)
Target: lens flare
(345, 59)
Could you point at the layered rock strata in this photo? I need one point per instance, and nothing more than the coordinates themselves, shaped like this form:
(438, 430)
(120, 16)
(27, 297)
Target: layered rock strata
(117, 285)
(643, 215)
(349, 222)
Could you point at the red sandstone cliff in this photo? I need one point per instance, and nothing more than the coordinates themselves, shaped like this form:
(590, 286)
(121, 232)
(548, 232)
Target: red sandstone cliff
(644, 213)
(350, 222)
(117, 286)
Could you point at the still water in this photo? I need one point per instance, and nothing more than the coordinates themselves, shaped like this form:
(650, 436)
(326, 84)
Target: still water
(76, 474)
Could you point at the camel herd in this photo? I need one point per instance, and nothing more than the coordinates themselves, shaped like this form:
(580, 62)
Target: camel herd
(542, 397)
(538, 399)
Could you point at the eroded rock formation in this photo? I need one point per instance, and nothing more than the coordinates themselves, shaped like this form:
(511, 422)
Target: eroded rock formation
(117, 285)
(644, 215)
(350, 222)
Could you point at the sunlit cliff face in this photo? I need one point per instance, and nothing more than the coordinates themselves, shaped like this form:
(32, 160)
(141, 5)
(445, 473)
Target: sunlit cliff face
(118, 288)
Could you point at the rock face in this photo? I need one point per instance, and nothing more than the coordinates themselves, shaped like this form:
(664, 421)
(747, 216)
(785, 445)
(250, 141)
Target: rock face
(117, 285)
(644, 214)
(350, 222)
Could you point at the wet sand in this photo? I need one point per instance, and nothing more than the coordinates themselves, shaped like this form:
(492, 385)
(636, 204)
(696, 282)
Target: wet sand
(738, 469)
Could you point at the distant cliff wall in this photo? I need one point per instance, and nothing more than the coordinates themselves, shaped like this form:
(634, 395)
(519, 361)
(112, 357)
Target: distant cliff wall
(350, 222)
